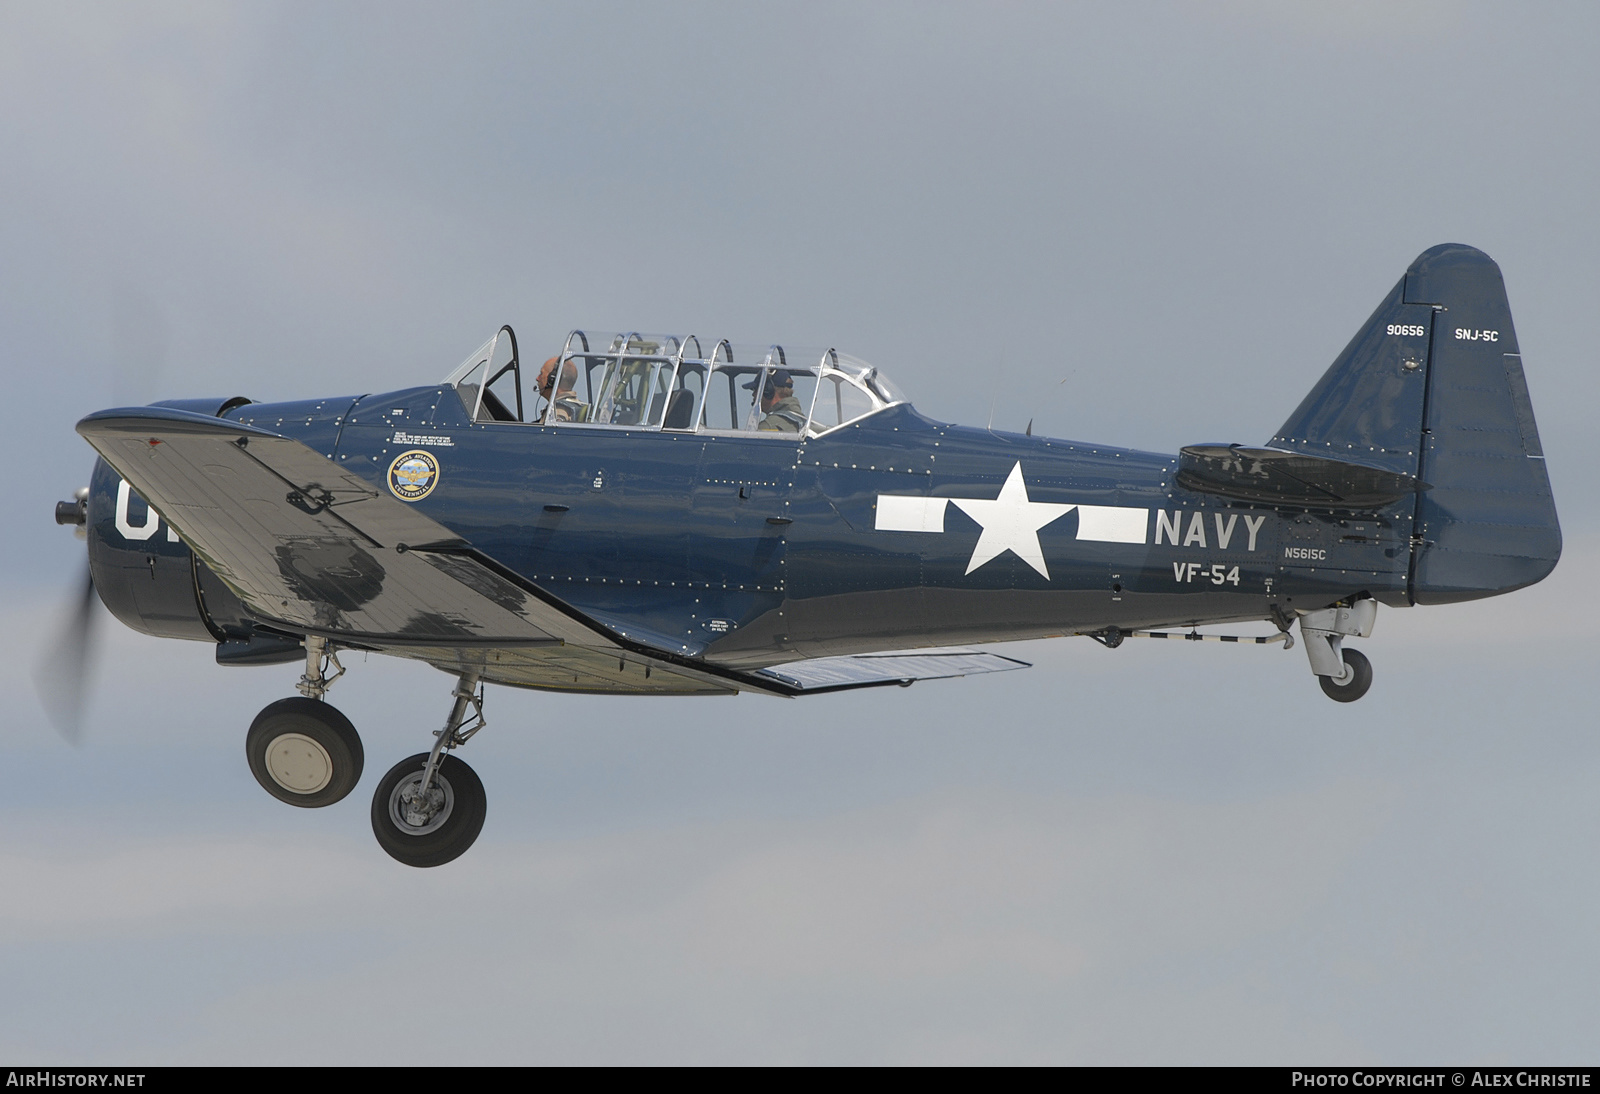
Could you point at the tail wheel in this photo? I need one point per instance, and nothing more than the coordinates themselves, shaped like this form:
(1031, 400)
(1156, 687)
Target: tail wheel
(304, 752)
(428, 829)
(1358, 673)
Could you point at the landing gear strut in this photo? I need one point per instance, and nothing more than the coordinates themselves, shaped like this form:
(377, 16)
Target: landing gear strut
(320, 657)
(430, 807)
(301, 750)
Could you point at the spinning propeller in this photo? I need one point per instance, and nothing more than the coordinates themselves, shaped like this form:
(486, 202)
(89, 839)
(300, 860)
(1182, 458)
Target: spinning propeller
(62, 677)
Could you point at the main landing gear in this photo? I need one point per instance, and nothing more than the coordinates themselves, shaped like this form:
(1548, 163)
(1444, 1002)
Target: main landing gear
(301, 750)
(426, 811)
(430, 807)
(304, 752)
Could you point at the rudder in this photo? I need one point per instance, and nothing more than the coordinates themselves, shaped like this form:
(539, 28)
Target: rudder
(1489, 523)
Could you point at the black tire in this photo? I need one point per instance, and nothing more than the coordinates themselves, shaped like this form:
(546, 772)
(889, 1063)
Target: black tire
(449, 833)
(304, 752)
(1360, 679)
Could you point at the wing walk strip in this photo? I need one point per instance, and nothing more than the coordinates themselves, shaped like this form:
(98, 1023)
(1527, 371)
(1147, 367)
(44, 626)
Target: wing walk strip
(311, 548)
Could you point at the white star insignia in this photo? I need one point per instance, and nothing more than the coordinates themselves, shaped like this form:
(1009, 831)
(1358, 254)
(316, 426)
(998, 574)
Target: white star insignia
(1011, 523)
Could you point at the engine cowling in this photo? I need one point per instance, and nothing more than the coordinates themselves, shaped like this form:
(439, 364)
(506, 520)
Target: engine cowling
(149, 578)
(146, 576)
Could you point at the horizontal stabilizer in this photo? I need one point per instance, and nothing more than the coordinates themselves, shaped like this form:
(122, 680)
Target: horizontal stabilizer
(873, 669)
(1276, 477)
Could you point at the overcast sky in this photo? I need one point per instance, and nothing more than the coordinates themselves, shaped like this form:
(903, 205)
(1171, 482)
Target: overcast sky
(1149, 225)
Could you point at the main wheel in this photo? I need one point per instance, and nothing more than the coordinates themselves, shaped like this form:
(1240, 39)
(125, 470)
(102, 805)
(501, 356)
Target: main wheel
(434, 830)
(1359, 670)
(304, 752)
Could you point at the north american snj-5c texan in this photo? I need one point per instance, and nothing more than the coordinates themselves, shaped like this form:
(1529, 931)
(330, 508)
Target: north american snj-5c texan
(669, 515)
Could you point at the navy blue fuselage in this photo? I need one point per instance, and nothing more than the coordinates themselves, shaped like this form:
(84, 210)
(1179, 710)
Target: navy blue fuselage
(761, 548)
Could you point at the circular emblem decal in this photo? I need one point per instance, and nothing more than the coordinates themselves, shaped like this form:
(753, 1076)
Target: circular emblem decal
(413, 475)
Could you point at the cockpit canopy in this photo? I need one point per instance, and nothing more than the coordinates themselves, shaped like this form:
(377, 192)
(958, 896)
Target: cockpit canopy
(637, 381)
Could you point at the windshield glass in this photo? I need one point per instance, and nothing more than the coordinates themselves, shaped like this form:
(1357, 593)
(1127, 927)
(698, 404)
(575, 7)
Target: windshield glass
(489, 381)
(468, 376)
(847, 389)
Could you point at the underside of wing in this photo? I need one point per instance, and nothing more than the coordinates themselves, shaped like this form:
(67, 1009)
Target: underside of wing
(867, 670)
(580, 669)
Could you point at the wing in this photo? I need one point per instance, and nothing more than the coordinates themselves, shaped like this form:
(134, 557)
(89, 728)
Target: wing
(313, 549)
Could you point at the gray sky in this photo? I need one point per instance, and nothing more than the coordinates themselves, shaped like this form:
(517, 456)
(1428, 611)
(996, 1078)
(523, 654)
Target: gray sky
(1146, 225)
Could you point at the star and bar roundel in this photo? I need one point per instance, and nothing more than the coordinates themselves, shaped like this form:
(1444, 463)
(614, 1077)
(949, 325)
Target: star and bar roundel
(1011, 522)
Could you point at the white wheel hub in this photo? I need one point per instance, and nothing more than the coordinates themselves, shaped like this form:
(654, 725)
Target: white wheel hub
(298, 763)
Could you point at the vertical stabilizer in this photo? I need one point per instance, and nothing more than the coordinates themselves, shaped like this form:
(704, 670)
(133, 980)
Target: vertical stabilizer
(1367, 408)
